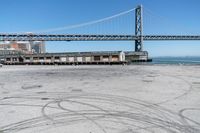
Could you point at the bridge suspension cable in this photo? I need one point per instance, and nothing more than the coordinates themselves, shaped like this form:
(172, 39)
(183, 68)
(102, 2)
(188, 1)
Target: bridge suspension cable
(86, 23)
(159, 21)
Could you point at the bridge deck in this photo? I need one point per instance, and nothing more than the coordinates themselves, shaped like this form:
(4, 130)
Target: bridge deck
(67, 37)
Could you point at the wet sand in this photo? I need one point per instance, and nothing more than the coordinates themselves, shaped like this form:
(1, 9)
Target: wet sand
(100, 99)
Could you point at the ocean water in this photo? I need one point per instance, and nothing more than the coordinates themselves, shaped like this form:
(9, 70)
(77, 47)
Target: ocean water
(176, 60)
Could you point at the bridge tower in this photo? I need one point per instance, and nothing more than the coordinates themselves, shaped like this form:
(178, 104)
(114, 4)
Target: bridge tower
(138, 29)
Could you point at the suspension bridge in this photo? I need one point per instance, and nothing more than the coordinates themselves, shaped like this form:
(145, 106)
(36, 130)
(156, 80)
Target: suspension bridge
(138, 37)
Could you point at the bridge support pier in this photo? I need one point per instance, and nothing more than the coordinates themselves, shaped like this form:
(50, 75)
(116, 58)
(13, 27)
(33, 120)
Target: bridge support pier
(138, 29)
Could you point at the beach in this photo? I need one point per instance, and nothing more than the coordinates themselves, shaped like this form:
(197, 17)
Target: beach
(100, 99)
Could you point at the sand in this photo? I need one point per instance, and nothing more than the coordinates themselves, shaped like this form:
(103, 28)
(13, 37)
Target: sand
(100, 99)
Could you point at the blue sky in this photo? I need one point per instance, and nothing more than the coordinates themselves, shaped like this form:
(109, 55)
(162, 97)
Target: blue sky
(160, 17)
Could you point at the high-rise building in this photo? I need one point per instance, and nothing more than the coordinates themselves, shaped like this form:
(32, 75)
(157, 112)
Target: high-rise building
(25, 47)
(38, 47)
